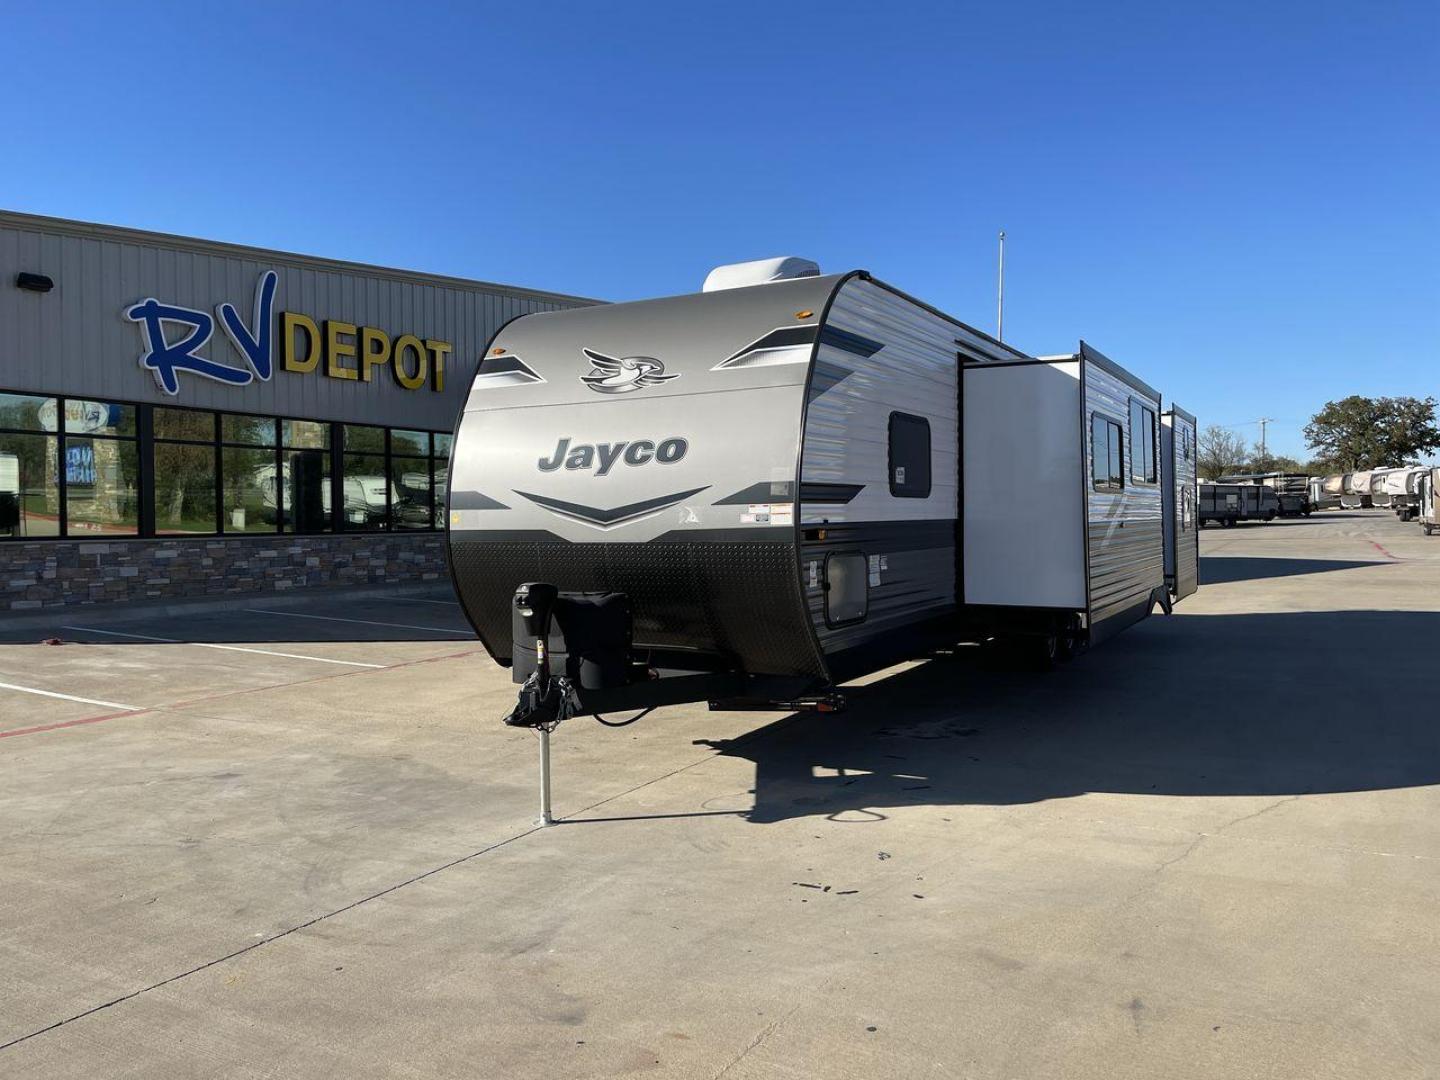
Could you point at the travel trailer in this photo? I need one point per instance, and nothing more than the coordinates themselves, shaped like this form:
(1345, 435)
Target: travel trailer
(1356, 494)
(1428, 510)
(1402, 488)
(1182, 523)
(1325, 491)
(1292, 490)
(1228, 504)
(754, 493)
(1381, 493)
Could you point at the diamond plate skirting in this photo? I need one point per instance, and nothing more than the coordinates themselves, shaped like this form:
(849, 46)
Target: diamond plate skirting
(738, 600)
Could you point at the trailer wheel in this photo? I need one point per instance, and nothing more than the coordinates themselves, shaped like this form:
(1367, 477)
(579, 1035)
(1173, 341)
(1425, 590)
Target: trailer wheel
(1429, 530)
(1227, 523)
(1043, 651)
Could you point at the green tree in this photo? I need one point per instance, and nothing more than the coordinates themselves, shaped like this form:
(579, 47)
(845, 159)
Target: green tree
(1358, 433)
(1218, 451)
(1263, 461)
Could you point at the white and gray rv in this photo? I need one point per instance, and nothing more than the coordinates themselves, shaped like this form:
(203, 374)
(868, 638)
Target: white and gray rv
(1326, 491)
(1428, 510)
(759, 491)
(1357, 492)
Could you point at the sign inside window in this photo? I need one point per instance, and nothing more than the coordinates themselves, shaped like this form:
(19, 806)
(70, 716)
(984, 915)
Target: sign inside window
(80, 464)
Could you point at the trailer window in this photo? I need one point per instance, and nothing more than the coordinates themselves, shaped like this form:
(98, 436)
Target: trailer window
(1142, 443)
(847, 588)
(909, 456)
(1107, 454)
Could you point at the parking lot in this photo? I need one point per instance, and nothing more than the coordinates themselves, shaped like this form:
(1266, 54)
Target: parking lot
(293, 839)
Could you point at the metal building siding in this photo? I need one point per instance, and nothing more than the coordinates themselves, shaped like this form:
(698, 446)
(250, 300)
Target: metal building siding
(1124, 529)
(74, 340)
(846, 441)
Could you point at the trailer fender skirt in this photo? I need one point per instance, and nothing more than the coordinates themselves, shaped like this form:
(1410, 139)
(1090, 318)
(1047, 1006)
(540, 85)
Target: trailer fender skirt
(1161, 596)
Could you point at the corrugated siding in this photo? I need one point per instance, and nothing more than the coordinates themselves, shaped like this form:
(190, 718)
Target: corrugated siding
(74, 340)
(1125, 528)
(846, 441)
(1186, 523)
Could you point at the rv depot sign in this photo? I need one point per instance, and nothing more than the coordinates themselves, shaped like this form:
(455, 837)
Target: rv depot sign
(173, 337)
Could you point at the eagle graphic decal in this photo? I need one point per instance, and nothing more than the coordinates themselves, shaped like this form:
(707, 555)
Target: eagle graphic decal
(609, 375)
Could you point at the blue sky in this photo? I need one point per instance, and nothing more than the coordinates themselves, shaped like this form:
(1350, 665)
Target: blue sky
(1238, 201)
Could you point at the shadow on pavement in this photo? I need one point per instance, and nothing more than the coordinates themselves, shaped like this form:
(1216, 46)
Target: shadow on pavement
(1192, 705)
(1217, 569)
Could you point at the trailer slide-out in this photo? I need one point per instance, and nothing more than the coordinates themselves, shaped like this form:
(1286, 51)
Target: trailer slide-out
(754, 493)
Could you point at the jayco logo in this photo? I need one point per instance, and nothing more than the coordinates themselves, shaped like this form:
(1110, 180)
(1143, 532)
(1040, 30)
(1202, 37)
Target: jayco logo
(623, 374)
(166, 359)
(605, 455)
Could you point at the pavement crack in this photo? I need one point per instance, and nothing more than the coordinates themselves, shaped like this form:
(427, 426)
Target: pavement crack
(760, 1036)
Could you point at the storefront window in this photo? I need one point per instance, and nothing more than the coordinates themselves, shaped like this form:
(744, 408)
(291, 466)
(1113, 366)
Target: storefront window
(305, 434)
(25, 412)
(29, 485)
(370, 440)
(184, 488)
(248, 430)
(98, 418)
(249, 491)
(306, 476)
(366, 506)
(442, 476)
(412, 490)
(71, 466)
(410, 443)
(190, 425)
(102, 482)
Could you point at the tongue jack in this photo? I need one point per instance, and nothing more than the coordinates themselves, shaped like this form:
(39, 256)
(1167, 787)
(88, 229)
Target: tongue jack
(545, 701)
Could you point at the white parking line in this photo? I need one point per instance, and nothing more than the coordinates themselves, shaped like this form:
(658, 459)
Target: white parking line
(71, 697)
(362, 622)
(228, 648)
(414, 600)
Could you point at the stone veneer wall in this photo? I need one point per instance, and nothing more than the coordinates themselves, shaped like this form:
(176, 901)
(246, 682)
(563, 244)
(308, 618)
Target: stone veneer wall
(54, 573)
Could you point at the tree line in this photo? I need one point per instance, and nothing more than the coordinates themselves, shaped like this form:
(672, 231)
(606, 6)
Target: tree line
(1351, 435)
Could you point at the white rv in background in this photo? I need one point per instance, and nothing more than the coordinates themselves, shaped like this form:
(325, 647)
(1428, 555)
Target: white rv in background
(1428, 502)
(1402, 488)
(1381, 493)
(1356, 491)
(1326, 491)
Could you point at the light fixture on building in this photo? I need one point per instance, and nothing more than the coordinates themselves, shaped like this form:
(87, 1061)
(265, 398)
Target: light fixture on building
(34, 282)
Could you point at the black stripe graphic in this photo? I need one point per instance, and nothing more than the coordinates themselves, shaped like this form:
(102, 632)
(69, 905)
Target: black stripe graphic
(784, 337)
(506, 371)
(474, 500)
(763, 492)
(596, 515)
(828, 493)
(851, 343)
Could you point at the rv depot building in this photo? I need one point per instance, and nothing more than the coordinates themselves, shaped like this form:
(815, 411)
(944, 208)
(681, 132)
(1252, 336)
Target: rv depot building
(185, 418)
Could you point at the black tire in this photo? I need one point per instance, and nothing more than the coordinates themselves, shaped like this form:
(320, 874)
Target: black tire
(1043, 651)
(1227, 523)
(1429, 530)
